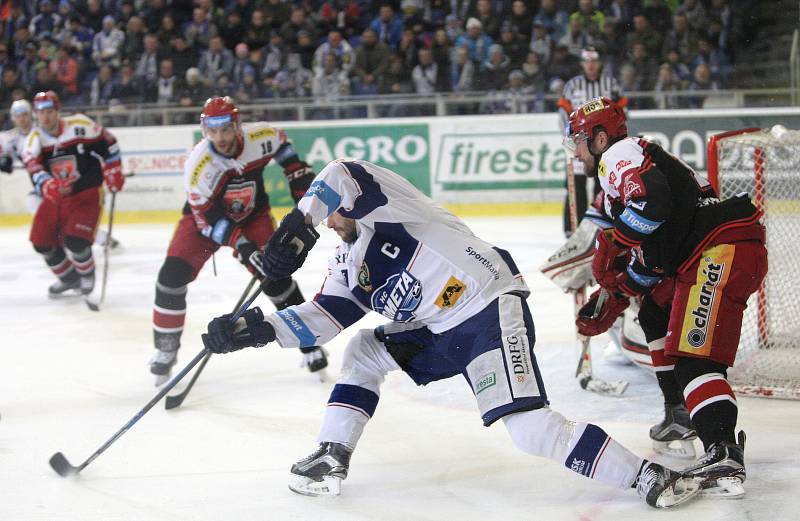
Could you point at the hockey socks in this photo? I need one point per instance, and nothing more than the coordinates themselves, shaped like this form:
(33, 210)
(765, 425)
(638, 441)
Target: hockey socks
(712, 408)
(169, 315)
(349, 409)
(582, 447)
(60, 265)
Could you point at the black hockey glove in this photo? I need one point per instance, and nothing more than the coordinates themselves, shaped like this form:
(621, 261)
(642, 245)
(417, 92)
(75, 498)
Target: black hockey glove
(288, 247)
(251, 257)
(249, 331)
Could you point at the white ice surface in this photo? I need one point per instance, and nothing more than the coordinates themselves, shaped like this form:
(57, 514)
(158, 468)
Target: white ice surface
(70, 378)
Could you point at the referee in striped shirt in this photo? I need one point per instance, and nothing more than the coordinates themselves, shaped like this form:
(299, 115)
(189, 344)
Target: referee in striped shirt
(578, 90)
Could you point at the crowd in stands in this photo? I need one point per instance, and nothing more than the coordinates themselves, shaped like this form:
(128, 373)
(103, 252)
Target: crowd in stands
(178, 52)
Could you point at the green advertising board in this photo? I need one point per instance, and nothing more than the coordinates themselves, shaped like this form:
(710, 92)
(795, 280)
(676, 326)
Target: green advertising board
(401, 148)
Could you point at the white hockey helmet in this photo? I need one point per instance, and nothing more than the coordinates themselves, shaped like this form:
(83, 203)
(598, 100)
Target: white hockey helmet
(20, 106)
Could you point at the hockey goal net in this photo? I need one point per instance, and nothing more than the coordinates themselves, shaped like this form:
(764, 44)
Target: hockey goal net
(766, 164)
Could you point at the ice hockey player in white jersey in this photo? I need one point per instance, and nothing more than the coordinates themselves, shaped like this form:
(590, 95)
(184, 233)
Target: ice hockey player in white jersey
(456, 305)
(12, 141)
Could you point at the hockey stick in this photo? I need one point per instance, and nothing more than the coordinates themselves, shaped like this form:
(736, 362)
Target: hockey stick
(584, 370)
(95, 306)
(64, 468)
(175, 401)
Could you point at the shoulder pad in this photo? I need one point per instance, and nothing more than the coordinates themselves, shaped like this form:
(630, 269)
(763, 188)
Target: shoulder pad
(198, 162)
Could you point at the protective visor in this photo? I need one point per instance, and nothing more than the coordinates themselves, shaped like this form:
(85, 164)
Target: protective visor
(44, 104)
(571, 141)
(217, 121)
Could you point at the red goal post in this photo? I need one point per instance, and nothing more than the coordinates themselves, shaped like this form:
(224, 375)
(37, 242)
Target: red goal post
(766, 164)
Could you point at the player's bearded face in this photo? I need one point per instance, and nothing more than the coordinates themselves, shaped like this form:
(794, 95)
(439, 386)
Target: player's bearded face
(585, 156)
(47, 119)
(223, 138)
(343, 226)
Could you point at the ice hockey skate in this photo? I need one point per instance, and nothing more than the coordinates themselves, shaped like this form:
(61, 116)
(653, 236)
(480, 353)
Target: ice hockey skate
(70, 286)
(661, 487)
(674, 436)
(161, 365)
(722, 470)
(322, 472)
(315, 359)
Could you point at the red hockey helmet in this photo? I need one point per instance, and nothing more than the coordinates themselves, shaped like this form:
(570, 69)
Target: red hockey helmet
(46, 100)
(596, 114)
(218, 112)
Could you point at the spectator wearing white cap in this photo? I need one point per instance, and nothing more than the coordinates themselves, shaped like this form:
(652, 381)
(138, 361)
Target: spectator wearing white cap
(476, 41)
(107, 44)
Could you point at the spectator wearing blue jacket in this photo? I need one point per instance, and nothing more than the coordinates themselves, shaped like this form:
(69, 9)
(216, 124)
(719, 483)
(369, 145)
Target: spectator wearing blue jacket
(388, 27)
(476, 41)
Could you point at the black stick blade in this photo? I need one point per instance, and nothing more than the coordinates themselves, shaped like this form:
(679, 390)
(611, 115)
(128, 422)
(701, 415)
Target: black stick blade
(63, 467)
(172, 402)
(92, 306)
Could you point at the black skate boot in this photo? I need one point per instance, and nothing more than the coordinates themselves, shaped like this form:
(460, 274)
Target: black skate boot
(675, 435)
(721, 469)
(65, 285)
(661, 487)
(166, 355)
(315, 359)
(321, 473)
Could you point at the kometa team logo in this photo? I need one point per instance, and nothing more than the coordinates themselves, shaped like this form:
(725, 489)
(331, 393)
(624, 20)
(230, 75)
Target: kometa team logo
(399, 297)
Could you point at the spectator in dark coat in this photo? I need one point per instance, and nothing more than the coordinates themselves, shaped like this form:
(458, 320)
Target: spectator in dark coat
(372, 59)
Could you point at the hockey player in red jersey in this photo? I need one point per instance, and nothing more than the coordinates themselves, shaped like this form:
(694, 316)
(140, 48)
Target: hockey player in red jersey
(694, 259)
(68, 159)
(226, 206)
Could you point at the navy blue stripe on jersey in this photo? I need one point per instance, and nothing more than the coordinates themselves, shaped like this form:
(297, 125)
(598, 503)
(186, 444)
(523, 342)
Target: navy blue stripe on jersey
(298, 327)
(354, 397)
(587, 451)
(344, 311)
(639, 224)
(371, 196)
(329, 197)
(508, 260)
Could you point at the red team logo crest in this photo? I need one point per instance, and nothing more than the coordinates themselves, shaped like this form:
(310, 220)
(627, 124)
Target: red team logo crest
(65, 169)
(239, 200)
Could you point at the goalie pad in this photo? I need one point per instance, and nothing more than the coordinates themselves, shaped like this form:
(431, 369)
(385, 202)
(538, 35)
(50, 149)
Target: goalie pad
(570, 267)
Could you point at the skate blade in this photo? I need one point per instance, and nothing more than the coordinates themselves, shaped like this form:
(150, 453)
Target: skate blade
(724, 488)
(329, 486)
(322, 374)
(66, 295)
(681, 491)
(683, 449)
